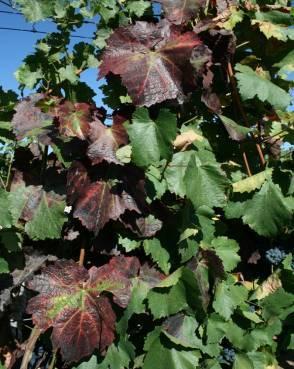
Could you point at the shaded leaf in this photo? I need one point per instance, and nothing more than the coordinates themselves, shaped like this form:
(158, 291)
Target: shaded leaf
(158, 254)
(5, 214)
(29, 120)
(4, 268)
(105, 141)
(71, 301)
(181, 329)
(95, 203)
(150, 59)
(235, 131)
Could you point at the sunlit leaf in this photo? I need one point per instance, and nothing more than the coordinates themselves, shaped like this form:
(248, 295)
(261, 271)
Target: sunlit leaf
(150, 59)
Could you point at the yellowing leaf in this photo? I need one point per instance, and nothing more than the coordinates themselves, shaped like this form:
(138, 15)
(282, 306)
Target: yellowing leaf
(268, 287)
(185, 139)
(252, 183)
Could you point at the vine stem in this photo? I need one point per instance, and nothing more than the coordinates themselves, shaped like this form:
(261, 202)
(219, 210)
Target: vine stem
(82, 256)
(10, 167)
(242, 112)
(35, 334)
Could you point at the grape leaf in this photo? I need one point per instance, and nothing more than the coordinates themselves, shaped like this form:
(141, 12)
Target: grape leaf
(151, 140)
(227, 298)
(29, 120)
(106, 140)
(170, 357)
(180, 329)
(42, 211)
(95, 203)
(150, 59)
(5, 215)
(235, 131)
(158, 254)
(180, 11)
(74, 119)
(227, 250)
(71, 301)
(252, 84)
(4, 268)
(200, 180)
(267, 212)
(252, 183)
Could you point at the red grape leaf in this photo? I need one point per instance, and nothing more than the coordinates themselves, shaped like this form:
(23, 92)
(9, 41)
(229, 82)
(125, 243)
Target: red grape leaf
(74, 119)
(181, 11)
(29, 120)
(105, 141)
(71, 301)
(95, 203)
(150, 58)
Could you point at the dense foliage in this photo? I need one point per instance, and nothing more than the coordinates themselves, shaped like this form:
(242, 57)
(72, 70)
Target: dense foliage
(156, 234)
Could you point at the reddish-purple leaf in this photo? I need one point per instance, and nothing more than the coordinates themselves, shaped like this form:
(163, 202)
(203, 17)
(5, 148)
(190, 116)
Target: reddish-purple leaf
(71, 301)
(105, 141)
(74, 119)
(181, 11)
(29, 120)
(95, 203)
(151, 60)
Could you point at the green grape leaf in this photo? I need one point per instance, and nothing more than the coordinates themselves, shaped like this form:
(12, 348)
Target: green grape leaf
(202, 182)
(252, 84)
(43, 212)
(151, 140)
(169, 357)
(242, 362)
(158, 254)
(180, 329)
(227, 298)
(4, 268)
(6, 220)
(227, 250)
(266, 213)
(118, 356)
(28, 78)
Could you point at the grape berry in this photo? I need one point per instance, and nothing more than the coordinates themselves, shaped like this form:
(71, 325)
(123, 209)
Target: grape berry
(228, 356)
(275, 256)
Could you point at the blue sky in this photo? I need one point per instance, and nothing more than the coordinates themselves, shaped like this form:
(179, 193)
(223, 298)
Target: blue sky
(15, 46)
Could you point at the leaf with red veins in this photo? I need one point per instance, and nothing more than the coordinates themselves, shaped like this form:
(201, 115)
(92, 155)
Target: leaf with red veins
(96, 203)
(29, 120)
(74, 119)
(151, 60)
(105, 141)
(181, 11)
(71, 301)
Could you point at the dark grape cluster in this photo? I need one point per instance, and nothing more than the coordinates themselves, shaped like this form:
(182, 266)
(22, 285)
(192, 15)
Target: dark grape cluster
(228, 356)
(251, 309)
(275, 255)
